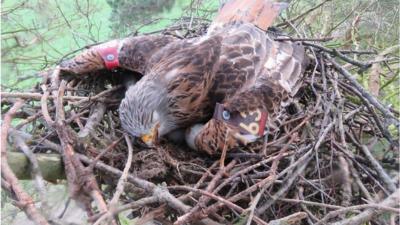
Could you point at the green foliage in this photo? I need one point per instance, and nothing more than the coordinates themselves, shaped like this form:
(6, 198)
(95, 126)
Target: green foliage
(358, 25)
(125, 221)
(127, 15)
(141, 16)
(38, 33)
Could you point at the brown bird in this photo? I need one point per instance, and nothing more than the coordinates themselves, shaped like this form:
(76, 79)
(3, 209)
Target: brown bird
(243, 117)
(132, 53)
(185, 80)
(235, 63)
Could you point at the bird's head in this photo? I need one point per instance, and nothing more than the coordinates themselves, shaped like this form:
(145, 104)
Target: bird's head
(139, 112)
(227, 129)
(102, 56)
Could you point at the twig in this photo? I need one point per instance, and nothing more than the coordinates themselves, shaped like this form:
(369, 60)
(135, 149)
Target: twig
(103, 152)
(120, 186)
(31, 118)
(35, 170)
(45, 110)
(318, 204)
(346, 184)
(203, 199)
(337, 53)
(295, 218)
(159, 192)
(287, 184)
(80, 99)
(36, 96)
(122, 180)
(311, 217)
(95, 118)
(24, 201)
(303, 39)
(379, 169)
(363, 92)
(203, 213)
(99, 96)
(358, 181)
(246, 170)
(374, 210)
(78, 178)
(366, 52)
(372, 110)
(218, 198)
(139, 203)
(302, 14)
(272, 171)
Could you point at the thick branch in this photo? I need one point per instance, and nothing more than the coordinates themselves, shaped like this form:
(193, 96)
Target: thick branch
(386, 112)
(367, 215)
(24, 201)
(50, 166)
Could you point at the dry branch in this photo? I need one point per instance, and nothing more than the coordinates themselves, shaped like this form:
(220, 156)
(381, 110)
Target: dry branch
(316, 165)
(23, 200)
(391, 201)
(50, 166)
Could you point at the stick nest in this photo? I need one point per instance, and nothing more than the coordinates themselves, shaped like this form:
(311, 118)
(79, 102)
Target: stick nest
(331, 159)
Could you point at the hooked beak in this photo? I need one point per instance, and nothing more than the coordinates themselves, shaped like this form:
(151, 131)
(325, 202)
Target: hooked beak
(151, 138)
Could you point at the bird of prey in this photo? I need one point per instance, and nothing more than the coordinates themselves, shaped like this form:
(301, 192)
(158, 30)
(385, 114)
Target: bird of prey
(243, 117)
(235, 71)
(131, 53)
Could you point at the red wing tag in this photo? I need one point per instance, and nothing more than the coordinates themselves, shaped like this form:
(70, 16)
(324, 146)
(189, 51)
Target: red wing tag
(247, 122)
(109, 52)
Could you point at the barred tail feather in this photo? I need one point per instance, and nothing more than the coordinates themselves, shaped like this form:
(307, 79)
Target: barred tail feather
(285, 64)
(261, 13)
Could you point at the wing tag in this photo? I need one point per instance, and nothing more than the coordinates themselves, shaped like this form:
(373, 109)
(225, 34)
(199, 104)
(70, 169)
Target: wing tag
(246, 122)
(109, 52)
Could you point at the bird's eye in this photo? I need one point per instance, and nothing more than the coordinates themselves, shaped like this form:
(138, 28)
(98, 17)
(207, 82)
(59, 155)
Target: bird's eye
(226, 115)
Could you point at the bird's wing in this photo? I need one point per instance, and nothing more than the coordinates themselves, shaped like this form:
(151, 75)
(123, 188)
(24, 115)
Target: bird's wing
(130, 53)
(260, 13)
(254, 107)
(249, 112)
(285, 64)
(136, 52)
(185, 70)
(212, 138)
(279, 78)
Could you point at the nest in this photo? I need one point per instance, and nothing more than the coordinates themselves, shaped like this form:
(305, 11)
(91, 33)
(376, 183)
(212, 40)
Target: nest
(318, 166)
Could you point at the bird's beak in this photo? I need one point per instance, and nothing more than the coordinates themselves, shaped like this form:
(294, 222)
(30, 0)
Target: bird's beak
(151, 138)
(148, 139)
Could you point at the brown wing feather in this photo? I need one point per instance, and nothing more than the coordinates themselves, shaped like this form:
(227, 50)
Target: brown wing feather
(284, 64)
(134, 54)
(241, 56)
(260, 13)
(199, 73)
(186, 70)
(215, 137)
